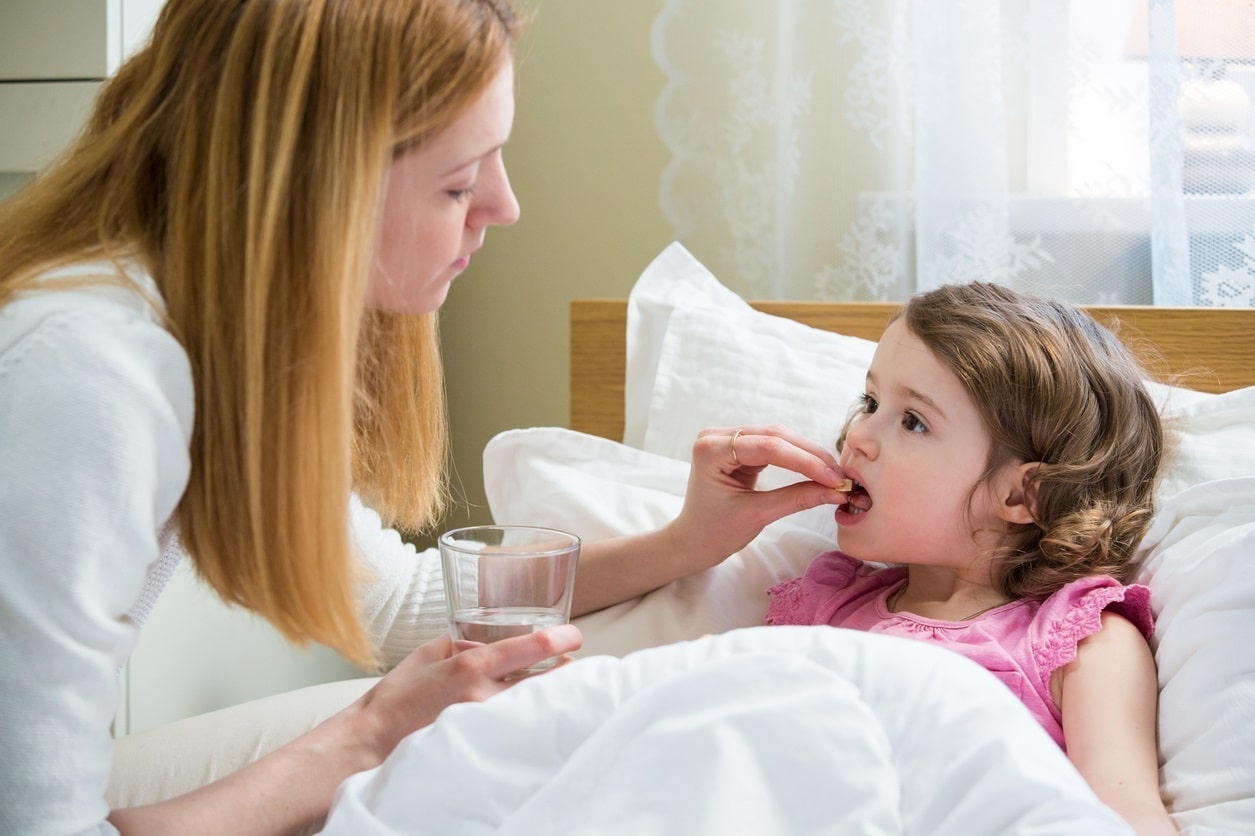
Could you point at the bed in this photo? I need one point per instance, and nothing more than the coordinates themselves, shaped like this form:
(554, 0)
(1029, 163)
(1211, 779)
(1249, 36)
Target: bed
(686, 715)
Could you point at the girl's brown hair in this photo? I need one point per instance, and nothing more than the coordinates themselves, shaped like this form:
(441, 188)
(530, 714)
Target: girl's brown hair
(1052, 386)
(240, 158)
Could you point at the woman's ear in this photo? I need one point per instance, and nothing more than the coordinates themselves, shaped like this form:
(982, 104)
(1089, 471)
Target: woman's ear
(1017, 494)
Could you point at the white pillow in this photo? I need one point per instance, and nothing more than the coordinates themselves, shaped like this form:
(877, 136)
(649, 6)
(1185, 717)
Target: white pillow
(699, 356)
(1215, 439)
(673, 279)
(1200, 567)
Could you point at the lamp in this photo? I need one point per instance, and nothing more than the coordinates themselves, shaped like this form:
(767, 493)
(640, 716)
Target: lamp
(1217, 37)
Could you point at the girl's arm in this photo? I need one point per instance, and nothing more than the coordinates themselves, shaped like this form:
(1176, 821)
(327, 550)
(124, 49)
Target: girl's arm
(723, 511)
(1109, 697)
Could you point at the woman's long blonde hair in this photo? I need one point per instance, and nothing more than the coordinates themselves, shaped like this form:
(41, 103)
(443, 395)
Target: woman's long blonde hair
(240, 158)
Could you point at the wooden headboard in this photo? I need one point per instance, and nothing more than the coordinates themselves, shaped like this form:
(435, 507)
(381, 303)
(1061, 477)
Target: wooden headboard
(1209, 349)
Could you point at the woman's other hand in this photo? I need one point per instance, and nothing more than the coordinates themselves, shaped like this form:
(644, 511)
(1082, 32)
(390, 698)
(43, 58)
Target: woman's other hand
(442, 672)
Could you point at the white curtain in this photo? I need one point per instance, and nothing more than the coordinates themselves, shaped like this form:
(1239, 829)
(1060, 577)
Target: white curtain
(864, 149)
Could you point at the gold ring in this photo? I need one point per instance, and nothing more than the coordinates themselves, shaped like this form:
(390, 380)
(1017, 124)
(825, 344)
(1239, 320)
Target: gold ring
(732, 444)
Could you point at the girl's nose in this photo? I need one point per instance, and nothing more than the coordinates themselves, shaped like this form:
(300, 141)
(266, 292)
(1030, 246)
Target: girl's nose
(860, 438)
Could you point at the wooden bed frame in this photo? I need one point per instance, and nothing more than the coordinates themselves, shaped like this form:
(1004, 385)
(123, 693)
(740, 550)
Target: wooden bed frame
(1209, 349)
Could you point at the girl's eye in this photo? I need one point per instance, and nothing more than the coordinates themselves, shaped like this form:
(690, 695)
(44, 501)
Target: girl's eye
(868, 403)
(912, 423)
(462, 195)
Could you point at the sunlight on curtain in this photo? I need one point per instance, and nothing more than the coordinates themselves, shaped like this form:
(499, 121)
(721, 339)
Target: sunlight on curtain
(864, 149)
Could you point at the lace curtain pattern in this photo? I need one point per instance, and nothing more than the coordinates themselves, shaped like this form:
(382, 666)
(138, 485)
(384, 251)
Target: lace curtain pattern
(866, 149)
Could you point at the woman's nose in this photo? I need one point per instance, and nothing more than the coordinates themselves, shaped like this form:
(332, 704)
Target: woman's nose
(495, 203)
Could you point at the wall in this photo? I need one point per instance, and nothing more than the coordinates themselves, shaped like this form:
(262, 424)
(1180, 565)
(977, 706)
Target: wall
(585, 162)
(11, 181)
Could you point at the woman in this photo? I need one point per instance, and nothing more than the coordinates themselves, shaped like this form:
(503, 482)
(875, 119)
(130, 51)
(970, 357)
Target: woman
(218, 336)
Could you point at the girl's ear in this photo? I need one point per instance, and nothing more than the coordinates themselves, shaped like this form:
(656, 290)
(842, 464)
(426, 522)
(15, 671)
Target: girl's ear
(1017, 496)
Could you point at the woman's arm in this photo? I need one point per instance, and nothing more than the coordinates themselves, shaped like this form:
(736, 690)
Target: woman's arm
(1109, 697)
(293, 786)
(722, 513)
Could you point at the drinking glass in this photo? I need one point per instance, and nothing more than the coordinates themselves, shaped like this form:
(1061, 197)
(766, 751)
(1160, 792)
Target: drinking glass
(508, 580)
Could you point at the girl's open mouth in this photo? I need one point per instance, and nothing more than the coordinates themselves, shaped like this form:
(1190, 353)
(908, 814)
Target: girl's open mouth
(858, 501)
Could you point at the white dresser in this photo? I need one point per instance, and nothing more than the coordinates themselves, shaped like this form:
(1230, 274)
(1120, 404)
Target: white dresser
(53, 56)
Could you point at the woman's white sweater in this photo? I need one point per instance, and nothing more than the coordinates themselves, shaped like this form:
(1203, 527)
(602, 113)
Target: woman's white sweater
(96, 410)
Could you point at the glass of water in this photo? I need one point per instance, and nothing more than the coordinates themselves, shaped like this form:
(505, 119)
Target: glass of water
(508, 580)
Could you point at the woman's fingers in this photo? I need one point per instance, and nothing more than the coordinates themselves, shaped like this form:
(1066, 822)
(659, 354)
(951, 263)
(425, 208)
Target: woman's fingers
(752, 447)
(442, 672)
(512, 655)
(500, 659)
(723, 508)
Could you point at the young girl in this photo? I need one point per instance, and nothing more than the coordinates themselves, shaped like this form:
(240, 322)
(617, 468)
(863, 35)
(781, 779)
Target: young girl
(1004, 458)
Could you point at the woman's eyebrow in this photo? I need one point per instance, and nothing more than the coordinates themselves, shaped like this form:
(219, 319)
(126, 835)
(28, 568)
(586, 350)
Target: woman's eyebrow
(464, 163)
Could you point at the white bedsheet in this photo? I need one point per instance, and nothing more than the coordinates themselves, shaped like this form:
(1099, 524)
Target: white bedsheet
(788, 730)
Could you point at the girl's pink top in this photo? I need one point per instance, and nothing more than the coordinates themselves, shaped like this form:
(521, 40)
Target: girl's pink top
(1021, 642)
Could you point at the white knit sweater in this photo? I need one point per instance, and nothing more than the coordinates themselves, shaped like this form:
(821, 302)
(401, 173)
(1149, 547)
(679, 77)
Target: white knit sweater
(96, 407)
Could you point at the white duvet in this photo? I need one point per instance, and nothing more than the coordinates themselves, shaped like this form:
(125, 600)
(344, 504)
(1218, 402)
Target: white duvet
(788, 730)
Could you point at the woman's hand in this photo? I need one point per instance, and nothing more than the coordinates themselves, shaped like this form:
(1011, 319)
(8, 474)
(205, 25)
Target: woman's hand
(723, 511)
(442, 672)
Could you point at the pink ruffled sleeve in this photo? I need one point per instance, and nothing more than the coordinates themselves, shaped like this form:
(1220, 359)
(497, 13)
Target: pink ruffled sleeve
(1075, 613)
(806, 600)
(788, 603)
